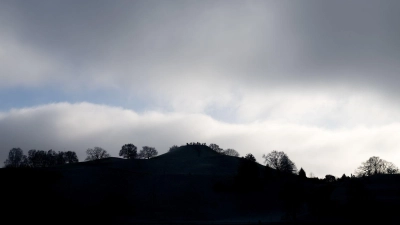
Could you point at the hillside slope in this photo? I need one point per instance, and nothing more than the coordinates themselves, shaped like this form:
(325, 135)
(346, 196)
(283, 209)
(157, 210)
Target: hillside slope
(190, 159)
(178, 185)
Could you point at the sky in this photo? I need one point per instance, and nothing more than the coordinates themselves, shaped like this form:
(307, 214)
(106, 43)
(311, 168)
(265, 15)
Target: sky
(317, 80)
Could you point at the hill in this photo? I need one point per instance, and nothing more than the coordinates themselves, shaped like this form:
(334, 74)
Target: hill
(189, 159)
(192, 183)
(176, 185)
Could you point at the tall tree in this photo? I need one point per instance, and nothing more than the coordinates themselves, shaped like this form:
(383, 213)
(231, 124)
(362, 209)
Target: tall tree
(231, 152)
(24, 162)
(61, 158)
(51, 158)
(128, 151)
(96, 153)
(15, 158)
(71, 157)
(37, 158)
(280, 161)
(147, 152)
(302, 173)
(376, 165)
(216, 148)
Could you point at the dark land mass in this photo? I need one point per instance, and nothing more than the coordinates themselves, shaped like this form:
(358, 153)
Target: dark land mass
(191, 185)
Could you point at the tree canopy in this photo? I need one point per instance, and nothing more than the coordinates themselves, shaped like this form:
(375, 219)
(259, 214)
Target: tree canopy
(15, 158)
(250, 157)
(216, 148)
(231, 152)
(128, 151)
(173, 148)
(302, 173)
(96, 153)
(280, 161)
(330, 178)
(39, 158)
(147, 152)
(376, 165)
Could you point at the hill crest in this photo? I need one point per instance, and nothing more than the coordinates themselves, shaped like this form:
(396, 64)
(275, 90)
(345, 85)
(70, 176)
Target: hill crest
(189, 152)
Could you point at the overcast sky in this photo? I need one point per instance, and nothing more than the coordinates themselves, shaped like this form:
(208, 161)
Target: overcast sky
(318, 80)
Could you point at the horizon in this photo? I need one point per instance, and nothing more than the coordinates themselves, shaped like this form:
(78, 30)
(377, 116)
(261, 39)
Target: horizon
(316, 80)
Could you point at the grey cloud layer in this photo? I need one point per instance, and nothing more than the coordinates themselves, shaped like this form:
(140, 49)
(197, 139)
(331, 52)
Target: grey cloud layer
(259, 44)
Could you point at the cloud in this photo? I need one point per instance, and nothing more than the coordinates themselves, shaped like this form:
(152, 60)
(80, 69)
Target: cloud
(23, 65)
(76, 127)
(160, 50)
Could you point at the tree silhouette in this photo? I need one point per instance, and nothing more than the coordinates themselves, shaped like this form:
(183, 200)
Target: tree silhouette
(375, 165)
(231, 152)
(128, 151)
(280, 161)
(40, 158)
(15, 158)
(71, 157)
(330, 178)
(24, 162)
(51, 158)
(250, 157)
(391, 168)
(302, 173)
(61, 158)
(216, 148)
(96, 153)
(147, 152)
(344, 177)
(37, 158)
(173, 148)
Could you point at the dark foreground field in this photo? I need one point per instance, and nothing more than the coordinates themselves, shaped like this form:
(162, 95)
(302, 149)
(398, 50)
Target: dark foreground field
(192, 185)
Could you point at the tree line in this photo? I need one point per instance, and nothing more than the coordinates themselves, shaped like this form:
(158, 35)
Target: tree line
(276, 160)
(279, 161)
(215, 147)
(38, 158)
(41, 158)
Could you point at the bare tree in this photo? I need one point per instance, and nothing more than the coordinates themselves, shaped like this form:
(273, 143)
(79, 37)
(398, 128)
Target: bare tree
(147, 152)
(280, 161)
(96, 153)
(231, 152)
(15, 158)
(128, 151)
(216, 148)
(375, 165)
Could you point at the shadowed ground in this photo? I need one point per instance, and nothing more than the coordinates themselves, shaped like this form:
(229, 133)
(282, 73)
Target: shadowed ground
(192, 184)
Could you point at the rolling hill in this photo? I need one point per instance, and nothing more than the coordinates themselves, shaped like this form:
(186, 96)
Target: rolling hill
(191, 184)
